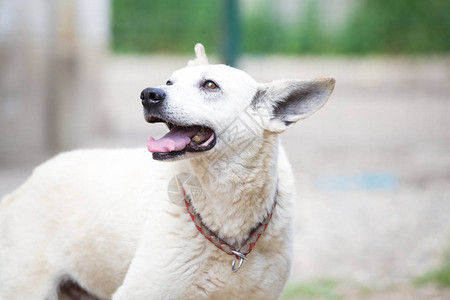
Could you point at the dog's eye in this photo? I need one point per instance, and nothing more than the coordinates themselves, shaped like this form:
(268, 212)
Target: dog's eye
(210, 85)
(168, 82)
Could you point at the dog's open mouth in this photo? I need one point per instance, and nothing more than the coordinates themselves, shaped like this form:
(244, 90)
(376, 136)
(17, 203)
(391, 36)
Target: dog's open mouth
(180, 139)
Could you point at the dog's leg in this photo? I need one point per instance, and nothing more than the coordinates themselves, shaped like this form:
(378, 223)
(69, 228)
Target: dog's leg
(25, 269)
(166, 261)
(25, 275)
(28, 283)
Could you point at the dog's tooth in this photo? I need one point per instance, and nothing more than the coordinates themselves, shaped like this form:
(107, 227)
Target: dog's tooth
(198, 136)
(196, 139)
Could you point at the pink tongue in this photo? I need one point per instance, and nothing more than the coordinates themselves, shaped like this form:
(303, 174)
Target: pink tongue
(174, 140)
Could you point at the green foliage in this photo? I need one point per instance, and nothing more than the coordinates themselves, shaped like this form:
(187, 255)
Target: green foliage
(322, 289)
(264, 32)
(164, 25)
(440, 276)
(374, 26)
(398, 26)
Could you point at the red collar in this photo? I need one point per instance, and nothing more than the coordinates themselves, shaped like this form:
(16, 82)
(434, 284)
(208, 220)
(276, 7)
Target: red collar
(211, 236)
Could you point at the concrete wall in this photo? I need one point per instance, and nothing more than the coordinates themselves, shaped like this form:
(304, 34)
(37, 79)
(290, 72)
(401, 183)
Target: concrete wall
(51, 55)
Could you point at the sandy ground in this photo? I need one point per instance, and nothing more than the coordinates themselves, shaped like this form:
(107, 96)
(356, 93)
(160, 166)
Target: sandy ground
(395, 293)
(372, 167)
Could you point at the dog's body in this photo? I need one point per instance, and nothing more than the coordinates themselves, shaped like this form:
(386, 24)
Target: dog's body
(107, 220)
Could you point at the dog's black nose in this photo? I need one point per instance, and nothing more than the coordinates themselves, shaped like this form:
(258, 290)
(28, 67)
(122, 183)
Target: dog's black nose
(152, 96)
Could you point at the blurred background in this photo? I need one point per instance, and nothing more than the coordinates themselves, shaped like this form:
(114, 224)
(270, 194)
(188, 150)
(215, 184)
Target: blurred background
(372, 167)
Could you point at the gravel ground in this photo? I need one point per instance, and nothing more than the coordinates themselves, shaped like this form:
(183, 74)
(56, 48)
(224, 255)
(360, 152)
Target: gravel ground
(372, 168)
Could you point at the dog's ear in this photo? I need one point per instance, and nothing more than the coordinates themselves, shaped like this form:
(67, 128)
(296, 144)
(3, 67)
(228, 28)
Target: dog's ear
(200, 56)
(289, 101)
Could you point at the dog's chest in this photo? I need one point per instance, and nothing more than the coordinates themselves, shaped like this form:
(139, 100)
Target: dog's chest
(217, 281)
(206, 271)
(262, 276)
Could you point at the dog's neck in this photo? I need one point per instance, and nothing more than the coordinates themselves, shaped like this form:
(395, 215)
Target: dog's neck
(237, 194)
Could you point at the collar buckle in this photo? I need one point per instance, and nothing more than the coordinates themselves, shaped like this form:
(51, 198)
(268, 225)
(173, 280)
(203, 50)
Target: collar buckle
(237, 256)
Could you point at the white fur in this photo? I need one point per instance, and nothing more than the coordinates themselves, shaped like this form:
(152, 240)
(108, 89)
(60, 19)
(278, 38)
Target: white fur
(104, 218)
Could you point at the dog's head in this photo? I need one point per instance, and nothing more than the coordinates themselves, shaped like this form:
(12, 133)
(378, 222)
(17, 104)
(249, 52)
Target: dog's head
(211, 108)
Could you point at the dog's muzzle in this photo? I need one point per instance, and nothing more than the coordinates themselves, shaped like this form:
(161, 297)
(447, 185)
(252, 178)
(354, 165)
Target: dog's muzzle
(181, 138)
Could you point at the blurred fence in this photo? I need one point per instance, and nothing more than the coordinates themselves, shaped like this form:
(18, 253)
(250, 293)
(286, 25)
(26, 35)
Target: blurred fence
(285, 26)
(165, 25)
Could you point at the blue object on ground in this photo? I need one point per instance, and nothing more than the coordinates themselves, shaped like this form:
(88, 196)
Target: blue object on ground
(355, 182)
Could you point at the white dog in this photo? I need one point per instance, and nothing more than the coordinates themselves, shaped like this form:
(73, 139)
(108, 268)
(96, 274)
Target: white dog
(119, 224)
